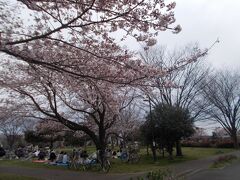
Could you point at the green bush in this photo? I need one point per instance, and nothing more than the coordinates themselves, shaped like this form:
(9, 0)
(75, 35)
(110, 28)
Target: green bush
(223, 160)
(165, 174)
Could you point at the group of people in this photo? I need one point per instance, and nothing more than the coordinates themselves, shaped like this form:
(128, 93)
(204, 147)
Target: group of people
(2, 152)
(62, 157)
(41, 155)
(81, 157)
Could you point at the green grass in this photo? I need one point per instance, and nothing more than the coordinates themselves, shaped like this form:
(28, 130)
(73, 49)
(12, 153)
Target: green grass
(29, 164)
(198, 153)
(4, 176)
(146, 163)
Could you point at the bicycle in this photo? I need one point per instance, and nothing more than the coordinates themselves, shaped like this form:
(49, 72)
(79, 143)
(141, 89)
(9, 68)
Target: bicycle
(130, 156)
(97, 164)
(133, 158)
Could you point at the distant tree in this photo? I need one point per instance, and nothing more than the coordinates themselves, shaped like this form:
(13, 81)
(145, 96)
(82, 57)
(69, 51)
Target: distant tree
(46, 131)
(178, 88)
(11, 124)
(167, 125)
(32, 137)
(221, 101)
(199, 132)
(72, 138)
(128, 124)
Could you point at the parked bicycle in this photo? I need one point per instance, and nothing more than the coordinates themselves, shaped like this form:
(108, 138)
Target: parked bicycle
(130, 156)
(92, 162)
(99, 165)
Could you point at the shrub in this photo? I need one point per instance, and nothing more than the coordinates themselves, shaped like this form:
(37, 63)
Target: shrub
(196, 144)
(224, 144)
(219, 143)
(160, 175)
(222, 160)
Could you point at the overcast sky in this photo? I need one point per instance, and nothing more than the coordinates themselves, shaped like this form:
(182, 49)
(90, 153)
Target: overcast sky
(204, 21)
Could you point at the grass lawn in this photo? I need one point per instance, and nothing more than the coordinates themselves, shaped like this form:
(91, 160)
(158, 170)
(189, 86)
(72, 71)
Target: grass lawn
(145, 164)
(4, 176)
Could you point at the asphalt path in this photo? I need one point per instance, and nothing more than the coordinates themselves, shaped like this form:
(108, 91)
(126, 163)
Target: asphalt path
(230, 172)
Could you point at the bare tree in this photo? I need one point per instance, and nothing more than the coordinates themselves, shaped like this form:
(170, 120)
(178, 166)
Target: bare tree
(11, 124)
(179, 87)
(221, 101)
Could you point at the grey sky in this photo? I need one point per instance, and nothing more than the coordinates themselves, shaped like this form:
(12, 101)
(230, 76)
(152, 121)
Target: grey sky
(203, 21)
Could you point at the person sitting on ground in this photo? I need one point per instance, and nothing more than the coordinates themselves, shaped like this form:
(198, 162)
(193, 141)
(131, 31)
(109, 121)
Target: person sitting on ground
(114, 155)
(59, 157)
(41, 155)
(93, 155)
(84, 156)
(108, 153)
(35, 154)
(19, 152)
(65, 158)
(78, 159)
(52, 156)
(119, 154)
(2, 152)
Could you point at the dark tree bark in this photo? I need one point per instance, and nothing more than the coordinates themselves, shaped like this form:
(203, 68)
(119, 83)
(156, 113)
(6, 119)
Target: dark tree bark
(178, 148)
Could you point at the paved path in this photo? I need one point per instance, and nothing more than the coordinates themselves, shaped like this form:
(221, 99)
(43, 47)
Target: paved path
(189, 169)
(230, 172)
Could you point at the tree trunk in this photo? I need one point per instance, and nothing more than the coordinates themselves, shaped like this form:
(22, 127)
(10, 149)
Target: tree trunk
(154, 152)
(102, 144)
(147, 150)
(178, 148)
(170, 151)
(163, 152)
(235, 140)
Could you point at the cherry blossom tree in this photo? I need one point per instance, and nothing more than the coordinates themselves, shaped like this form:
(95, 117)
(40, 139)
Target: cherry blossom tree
(64, 36)
(75, 72)
(89, 106)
